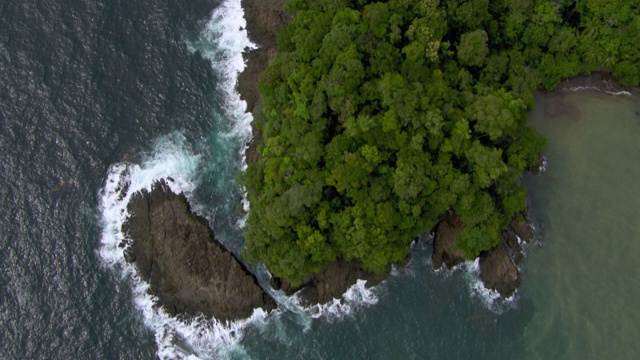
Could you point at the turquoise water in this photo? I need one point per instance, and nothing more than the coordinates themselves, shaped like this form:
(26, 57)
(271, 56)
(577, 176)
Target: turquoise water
(584, 283)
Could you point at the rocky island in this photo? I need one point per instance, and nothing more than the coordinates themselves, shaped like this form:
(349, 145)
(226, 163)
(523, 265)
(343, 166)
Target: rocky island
(189, 271)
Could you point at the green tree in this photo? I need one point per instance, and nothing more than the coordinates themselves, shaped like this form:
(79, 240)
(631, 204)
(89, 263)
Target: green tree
(473, 48)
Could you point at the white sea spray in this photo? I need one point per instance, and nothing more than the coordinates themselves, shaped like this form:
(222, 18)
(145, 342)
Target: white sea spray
(358, 296)
(596, 88)
(199, 337)
(222, 42)
(491, 299)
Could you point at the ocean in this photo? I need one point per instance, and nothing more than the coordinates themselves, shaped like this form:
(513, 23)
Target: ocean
(100, 99)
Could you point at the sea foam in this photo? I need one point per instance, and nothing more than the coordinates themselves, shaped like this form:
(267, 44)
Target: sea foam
(583, 88)
(169, 159)
(358, 296)
(222, 42)
(491, 299)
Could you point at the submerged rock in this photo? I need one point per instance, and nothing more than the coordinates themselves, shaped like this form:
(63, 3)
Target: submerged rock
(331, 282)
(189, 271)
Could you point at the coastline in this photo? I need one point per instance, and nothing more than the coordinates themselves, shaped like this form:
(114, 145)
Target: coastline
(599, 80)
(263, 17)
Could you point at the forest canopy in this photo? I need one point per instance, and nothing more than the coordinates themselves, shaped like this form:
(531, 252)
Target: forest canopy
(382, 116)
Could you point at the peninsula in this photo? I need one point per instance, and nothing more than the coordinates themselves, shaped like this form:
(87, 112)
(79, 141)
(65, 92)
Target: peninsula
(377, 121)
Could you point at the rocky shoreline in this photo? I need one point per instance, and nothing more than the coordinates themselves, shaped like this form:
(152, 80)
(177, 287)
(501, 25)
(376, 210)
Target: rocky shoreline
(263, 18)
(498, 266)
(599, 80)
(331, 282)
(188, 270)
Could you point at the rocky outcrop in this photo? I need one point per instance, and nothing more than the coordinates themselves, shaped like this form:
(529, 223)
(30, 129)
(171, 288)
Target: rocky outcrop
(447, 232)
(498, 270)
(329, 283)
(498, 266)
(600, 80)
(190, 272)
(263, 17)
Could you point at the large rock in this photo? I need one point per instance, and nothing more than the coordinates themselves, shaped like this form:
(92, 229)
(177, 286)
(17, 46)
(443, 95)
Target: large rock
(498, 269)
(498, 272)
(188, 270)
(331, 282)
(498, 266)
(447, 232)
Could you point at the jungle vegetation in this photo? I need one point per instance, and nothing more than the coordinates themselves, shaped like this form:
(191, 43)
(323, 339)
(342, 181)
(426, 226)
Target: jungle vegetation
(381, 116)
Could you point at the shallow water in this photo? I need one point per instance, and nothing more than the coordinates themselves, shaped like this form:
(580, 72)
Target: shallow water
(584, 283)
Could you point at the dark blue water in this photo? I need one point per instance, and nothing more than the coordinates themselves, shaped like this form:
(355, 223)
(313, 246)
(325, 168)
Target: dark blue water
(84, 84)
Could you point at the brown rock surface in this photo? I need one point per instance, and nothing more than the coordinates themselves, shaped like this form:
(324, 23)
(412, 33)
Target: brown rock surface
(522, 229)
(498, 272)
(447, 232)
(329, 283)
(498, 269)
(188, 270)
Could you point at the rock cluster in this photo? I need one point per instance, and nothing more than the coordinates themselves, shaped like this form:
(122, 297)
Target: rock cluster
(329, 283)
(498, 269)
(498, 266)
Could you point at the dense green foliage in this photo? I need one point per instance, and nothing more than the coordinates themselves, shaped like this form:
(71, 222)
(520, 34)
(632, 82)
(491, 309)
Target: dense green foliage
(381, 116)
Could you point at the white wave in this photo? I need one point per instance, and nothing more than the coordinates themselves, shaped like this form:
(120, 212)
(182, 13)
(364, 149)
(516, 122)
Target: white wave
(169, 159)
(544, 166)
(356, 297)
(222, 42)
(625, 93)
(582, 88)
(491, 299)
